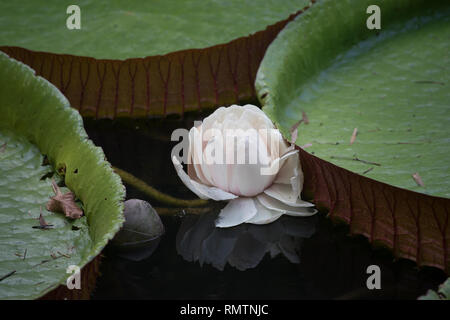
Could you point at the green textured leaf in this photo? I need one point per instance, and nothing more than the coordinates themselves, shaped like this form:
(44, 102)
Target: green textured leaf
(318, 65)
(391, 84)
(158, 85)
(127, 29)
(38, 256)
(37, 119)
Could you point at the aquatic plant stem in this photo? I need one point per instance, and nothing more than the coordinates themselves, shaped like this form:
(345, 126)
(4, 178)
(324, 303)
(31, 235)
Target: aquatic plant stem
(128, 178)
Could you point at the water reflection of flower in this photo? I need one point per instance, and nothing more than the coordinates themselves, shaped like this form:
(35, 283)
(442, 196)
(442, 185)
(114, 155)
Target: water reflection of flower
(243, 246)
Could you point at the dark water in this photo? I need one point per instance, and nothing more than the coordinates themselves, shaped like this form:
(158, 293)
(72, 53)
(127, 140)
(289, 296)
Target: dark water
(293, 258)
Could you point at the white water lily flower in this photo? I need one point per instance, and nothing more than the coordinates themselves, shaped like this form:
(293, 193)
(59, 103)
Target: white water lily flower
(238, 155)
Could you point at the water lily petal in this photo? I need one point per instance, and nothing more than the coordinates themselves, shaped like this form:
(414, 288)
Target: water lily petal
(217, 117)
(290, 168)
(264, 215)
(290, 174)
(282, 192)
(192, 170)
(287, 195)
(196, 147)
(259, 112)
(277, 165)
(246, 179)
(236, 212)
(274, 204)
(259, 120)
(201, 190)
(297, 184)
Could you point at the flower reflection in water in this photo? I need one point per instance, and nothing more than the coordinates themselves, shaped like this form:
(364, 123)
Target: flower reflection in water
(243, 246)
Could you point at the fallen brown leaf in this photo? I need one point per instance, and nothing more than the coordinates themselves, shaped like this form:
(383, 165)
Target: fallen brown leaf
(64, 203)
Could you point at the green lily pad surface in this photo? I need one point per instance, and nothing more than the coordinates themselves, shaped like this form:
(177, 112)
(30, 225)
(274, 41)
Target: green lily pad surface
(391, 84)
(36, 256)
(128, 29)
(36, 120)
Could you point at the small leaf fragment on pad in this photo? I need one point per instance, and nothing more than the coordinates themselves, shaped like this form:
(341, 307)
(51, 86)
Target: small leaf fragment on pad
(7, 275)
(353, 138)
(418, 179)
(64, 203)
(305, 117)
(294, 128)
(294, 131)
(42, 223)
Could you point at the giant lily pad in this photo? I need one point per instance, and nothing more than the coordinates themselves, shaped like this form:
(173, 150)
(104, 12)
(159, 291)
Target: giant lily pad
(129, 29)
(186, 80)
(391, 84)
(36, 120)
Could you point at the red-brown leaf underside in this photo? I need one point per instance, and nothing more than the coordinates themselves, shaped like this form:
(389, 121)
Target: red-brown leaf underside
(181, 81)
(414, 225)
